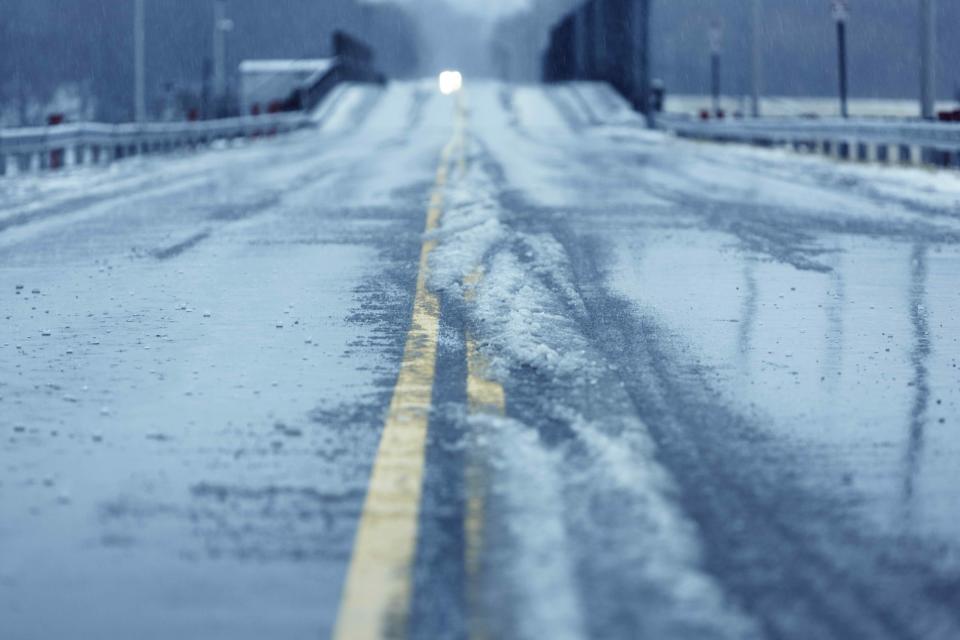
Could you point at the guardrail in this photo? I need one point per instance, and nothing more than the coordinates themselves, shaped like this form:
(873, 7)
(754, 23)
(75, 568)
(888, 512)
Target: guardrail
(911, 142)
(44, 148)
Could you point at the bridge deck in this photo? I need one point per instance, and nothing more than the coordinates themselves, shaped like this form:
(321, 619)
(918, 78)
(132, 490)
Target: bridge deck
(633, 386)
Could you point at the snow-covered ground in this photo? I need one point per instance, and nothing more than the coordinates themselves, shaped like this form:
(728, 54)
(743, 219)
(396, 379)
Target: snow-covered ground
(731, 380)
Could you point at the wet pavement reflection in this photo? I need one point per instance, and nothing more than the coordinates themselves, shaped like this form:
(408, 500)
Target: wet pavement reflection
(858, 364)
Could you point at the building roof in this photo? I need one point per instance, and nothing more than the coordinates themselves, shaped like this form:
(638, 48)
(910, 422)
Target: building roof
(317, 65)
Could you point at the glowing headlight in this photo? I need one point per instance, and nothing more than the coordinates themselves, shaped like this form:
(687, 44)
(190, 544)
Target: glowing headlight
(450, 82)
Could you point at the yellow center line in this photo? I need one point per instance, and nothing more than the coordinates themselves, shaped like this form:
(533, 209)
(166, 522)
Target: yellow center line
(462, 156)
(484, 397)
(378, 590)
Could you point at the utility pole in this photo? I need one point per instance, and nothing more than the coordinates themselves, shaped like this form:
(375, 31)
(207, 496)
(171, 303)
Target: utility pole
(756, 61)
(928, 59)
(716, 47)
(140, 61)
(841, 13)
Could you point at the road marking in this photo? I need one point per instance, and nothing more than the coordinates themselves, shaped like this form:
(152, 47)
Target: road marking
(484, 397)
(377, 594)
(462, 116)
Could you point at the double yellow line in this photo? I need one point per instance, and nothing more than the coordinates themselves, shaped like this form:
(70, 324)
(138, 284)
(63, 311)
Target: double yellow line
(484, 396)
(378, 591)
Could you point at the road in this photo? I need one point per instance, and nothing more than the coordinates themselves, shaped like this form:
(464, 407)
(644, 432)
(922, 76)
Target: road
(497, 365)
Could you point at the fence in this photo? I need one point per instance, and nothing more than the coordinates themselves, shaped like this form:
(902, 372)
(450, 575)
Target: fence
(911, 142)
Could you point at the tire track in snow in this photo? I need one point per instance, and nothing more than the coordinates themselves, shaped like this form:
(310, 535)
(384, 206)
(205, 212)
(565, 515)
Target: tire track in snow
(800, 564)
(637, 573)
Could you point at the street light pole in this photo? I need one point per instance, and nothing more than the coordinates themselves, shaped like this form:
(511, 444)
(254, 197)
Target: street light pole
(928, 58)
(756, 68)
(841, 13)
(716, 46)
(139, 61)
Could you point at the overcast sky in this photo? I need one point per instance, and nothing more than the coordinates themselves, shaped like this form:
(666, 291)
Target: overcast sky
(490, 7)
(453, 37)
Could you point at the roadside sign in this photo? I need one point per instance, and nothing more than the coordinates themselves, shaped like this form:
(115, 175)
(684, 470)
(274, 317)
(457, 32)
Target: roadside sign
(716, 36)
(841, 10)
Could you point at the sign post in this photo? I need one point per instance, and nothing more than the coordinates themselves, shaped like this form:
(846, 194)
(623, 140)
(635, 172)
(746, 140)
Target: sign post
(716, 48)
(841, 13)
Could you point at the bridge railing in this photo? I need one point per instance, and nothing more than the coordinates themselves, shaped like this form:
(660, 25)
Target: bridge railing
(53, 147)
(914, 142)
(607, 41)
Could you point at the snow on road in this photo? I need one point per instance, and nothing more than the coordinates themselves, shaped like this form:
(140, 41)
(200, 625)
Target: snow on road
(784, 330)
(730, 378)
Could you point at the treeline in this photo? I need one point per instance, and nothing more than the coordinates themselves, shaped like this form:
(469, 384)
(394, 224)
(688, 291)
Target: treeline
(82, 50)
(797, 38)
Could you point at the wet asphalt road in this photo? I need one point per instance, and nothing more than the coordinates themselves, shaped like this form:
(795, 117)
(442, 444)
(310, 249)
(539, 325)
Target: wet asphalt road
(721, 385)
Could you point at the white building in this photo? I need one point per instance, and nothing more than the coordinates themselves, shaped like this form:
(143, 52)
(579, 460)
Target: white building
(265, 81)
